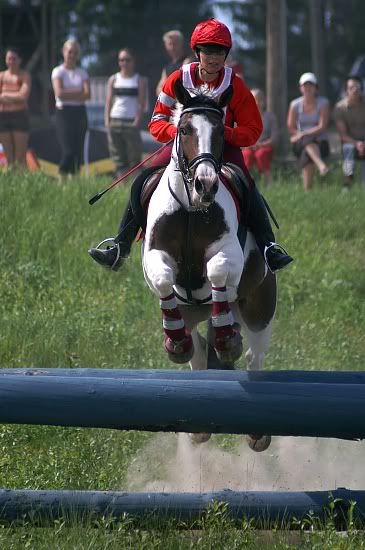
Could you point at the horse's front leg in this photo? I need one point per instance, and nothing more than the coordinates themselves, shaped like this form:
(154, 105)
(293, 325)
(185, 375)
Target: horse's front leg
(178, 342)
(225, 268)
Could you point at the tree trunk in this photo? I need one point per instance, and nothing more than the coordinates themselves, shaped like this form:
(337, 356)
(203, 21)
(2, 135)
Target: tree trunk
(276, 66)
(317, 46)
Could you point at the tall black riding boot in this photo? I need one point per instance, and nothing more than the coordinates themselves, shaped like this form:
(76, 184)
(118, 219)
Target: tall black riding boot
(258, 221)
(133, 219)
(112, 256)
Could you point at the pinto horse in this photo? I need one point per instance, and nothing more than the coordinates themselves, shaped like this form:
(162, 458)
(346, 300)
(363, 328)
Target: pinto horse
(192, 257)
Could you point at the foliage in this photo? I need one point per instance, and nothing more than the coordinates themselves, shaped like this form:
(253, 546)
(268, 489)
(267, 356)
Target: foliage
(105, 27)
(343, 39)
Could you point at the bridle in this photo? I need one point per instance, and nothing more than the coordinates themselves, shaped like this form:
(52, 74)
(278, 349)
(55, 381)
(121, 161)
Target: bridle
(186, 167)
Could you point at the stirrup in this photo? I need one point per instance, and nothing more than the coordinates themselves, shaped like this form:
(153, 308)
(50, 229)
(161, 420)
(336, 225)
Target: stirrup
(267, 248)
(114, 244)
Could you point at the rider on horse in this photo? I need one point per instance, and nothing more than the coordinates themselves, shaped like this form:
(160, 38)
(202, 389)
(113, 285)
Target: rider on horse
(211, 42)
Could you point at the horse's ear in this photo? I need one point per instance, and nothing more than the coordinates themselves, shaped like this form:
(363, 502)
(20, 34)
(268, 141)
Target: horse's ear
(181, 93)
(225, 98)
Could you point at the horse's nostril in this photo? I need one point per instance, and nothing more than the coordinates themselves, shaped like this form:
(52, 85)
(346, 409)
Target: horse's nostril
(198, 186)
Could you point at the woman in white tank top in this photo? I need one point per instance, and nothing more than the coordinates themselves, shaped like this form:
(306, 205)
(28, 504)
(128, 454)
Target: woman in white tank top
(124, 108)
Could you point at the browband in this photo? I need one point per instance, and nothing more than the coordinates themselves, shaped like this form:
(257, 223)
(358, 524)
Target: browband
(197, 108)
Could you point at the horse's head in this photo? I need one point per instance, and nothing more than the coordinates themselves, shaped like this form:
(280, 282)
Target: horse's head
(200, 142)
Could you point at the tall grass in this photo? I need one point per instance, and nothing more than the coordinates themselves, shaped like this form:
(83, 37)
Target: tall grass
(59, 309)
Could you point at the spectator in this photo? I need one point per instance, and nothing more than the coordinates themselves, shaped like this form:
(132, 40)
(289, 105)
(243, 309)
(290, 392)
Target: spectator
(350, 122)
(124, 109)
(174, 46)
(71, 86)
(211, 40)
(262, 152)
(307, 122)
(14, 119)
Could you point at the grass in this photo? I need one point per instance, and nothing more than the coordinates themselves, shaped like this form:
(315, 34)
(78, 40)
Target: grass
(59, 309)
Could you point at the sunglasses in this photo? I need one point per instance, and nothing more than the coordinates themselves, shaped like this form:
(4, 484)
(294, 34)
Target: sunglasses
(212, 50)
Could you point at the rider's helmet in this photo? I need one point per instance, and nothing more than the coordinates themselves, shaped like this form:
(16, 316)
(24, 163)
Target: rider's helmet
(211, 32)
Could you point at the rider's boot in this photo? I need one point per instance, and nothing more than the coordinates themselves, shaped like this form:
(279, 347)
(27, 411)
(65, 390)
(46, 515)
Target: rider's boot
(118, 249)
(113, 256)
(258, 221)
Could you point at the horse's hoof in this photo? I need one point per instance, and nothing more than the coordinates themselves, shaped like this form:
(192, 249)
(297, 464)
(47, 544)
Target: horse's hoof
(259, 443)
(197, 439)
(229, 349)
(179, 352)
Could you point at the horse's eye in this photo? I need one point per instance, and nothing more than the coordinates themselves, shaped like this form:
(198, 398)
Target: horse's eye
(183, 131)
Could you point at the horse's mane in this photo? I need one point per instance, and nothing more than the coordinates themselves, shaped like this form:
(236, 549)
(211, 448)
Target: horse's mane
(203, 97)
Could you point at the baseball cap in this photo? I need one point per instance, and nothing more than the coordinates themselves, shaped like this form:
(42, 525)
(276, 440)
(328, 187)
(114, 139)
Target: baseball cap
(308, 77)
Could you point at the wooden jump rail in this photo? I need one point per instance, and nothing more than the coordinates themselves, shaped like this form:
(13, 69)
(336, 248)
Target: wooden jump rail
(236, 403)
(265, 507)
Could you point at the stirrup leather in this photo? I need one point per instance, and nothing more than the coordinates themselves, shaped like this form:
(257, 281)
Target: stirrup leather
(113, 244)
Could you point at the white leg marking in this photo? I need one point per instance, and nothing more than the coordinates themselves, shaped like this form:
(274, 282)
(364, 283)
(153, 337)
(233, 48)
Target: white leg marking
(258, 346)
(160, 271)
(199, 359)
(225, 268)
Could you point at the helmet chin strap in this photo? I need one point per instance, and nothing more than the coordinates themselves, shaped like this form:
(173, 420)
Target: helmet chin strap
(205, 71)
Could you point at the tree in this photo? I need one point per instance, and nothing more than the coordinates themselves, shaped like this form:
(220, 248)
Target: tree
(342, 39)
(104, 27)
(276, 61)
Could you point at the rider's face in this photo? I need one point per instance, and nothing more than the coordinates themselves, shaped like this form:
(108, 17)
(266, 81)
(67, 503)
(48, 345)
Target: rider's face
(212, 61)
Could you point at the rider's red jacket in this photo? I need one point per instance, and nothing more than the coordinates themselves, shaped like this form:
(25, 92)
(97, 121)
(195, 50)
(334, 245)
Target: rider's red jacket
(243, 124)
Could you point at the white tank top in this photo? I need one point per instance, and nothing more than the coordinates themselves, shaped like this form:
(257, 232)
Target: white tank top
(125, 97)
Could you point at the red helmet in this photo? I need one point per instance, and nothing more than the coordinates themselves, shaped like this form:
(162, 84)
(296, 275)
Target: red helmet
(211, 32)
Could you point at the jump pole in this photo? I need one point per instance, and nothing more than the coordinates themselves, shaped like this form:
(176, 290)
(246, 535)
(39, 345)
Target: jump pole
(275, 408)
(289, 376)
(264, 507)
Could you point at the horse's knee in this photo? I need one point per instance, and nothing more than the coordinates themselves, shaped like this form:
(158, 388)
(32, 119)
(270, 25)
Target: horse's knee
(225, 270)
(217, 271)
(163, 286)
(160, 274)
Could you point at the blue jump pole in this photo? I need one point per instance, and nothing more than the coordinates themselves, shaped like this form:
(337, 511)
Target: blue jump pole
(295, 408)
(314, 377)
(265, 507)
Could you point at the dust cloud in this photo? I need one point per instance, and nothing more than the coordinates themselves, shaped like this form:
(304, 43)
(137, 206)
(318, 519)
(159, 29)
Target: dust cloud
(170, 462)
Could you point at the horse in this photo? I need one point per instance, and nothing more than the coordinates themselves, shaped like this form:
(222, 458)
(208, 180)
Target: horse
(192, 257)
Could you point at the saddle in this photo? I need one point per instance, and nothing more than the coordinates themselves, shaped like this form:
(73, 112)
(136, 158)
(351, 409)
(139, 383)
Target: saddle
(149, 186)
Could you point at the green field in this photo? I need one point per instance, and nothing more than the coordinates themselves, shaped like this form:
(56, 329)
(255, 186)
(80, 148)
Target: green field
(59, 309)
